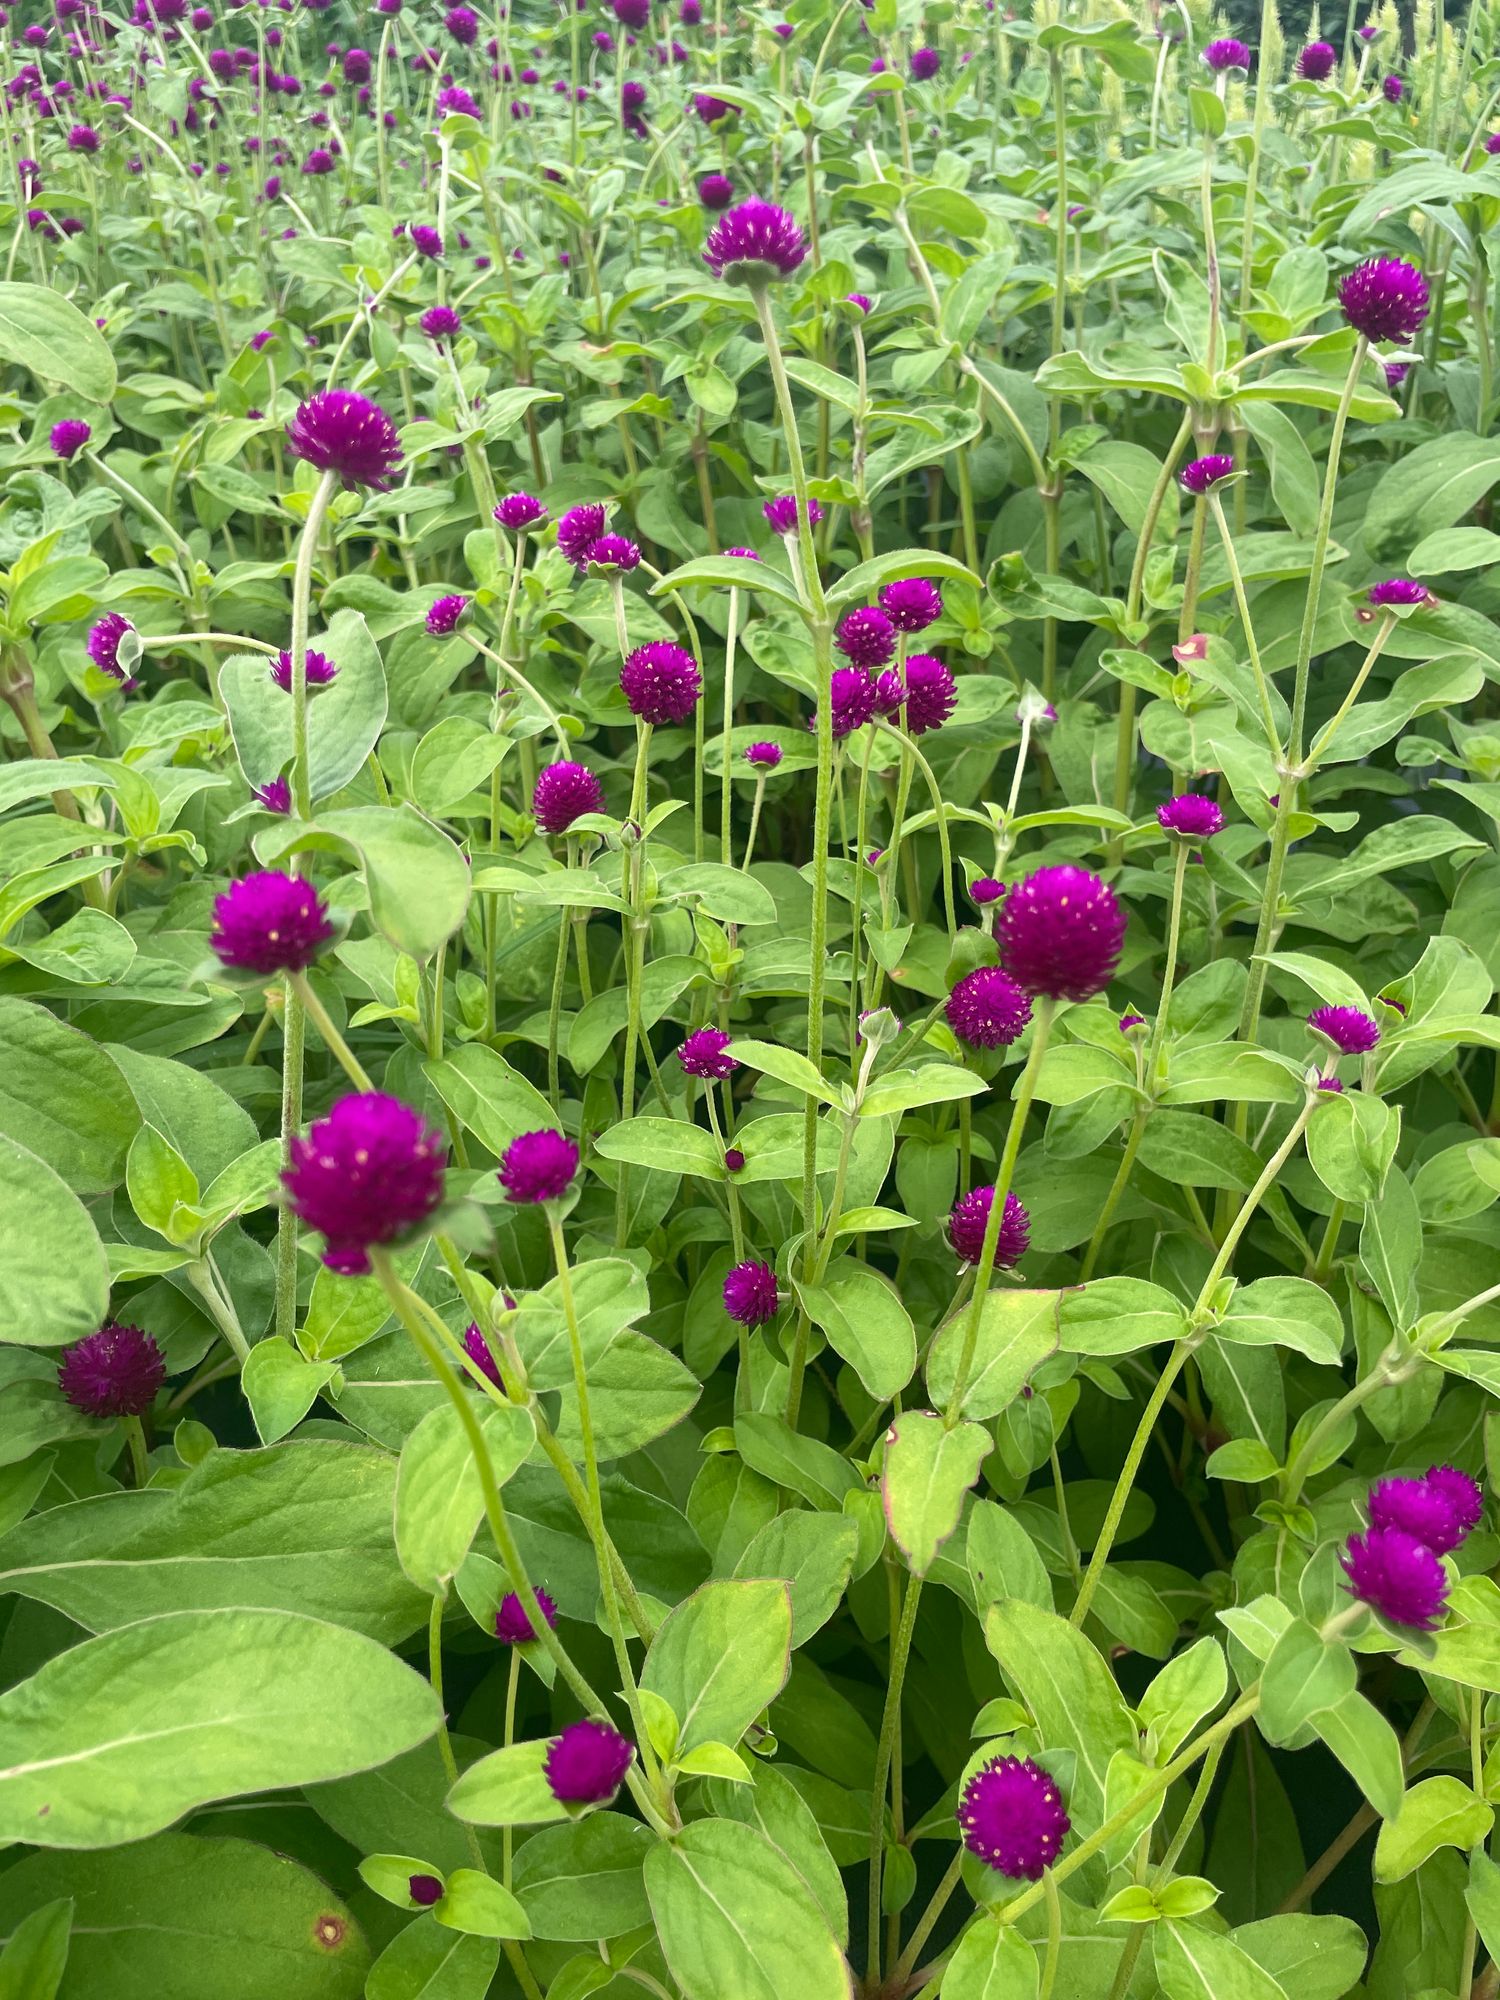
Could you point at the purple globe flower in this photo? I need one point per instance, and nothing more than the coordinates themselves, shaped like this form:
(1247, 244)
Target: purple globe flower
(1316, 62)
(1396, 373)
(1393, 90)
(1192, 816)
(270, 922)
(1384, 298)
(1462, 1493)
(115, 1372)
(478, 1350)
(970, 1218)
(440, 323)
(425, 240)
(587, 1763)
(782, 513)
(1061, 931)
(69, 437)
(716, 192)
(1205, 473)
(565, 792)
(1417, 1508)
(320, 670)
(1492, 142)
(538, 1166)
(986, 1009)
(519, 511)
(320, 161)
(763, 756)
(1129, 1021)
(890, 692)
(443, 616)
(754, 243)
(661, 682)
(275, 796)
(1352, 1032)
(1012, 1816)
(365, 1175)
(1331, 1084)
(425, 1890)
(751, 1294)
(513, 1625)
(612, 554)
(1226, 54)
(925, 64)
(632, 13)
(702, 1054)
(931, 695)
(853, 693)
(454, 97)
(104, 645)
(344, 433)
(985, 890)
(1398, 1576)
(912, 604)
(866, 638)
(357, 66)
(579, 529)
(83, 139)
(1398, 590)
(734, 1160)
(462, 24)
(711, 109)
(864, 305)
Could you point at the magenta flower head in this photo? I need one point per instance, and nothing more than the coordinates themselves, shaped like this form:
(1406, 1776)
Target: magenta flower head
(925, 64)
(702, 1054)
(425, 1890)
(1316, 62)
(1461, 1492)
(344, 433)
(711, 109)
(440, 323)
(753, 244)
(579, 529)
(613, 555)
(1398, 592)
(462, 24)
(1352, 1032)
(661, 682)
(365, 1175)
(587, 1763)
(115, 1372)
(1398, 1576)
(970, 1218)
(781, 513)
(912, 604)
(716, 192)
(890, 692)
(864, 306)
(425, 240)
(986, 1009)
(1012, 1816)
(520, 511)
(985, 891)
(104, 645)
(751, 1294)
(1226, 54)
(1417, 1508)
(565, 792)
(275, 796)
(1061, 931)
(853, 695)
(763, 756)
(1384, 298)
(1205, 473)
(270, 922)
(1492, 142)
(443, 616)
(866, 638)
(478, 1350)
(1128, 1021)
(538, 1166)
(513, 1622)
(1331, 1084)
(320, 670)
(1392, 89)
(931, 695)
(69, 437)
(1396, 373)
(1192, 816)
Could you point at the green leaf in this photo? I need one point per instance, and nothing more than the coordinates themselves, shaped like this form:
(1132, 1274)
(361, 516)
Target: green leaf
(33, 1962)
(733, 573)
(54, 1279)
(345, 718)
(478, 1905)
(507, 1788)
(116, 1738)
(1365, 1744)
(1118, 1316)
(281, 1387)
(159, 1180)
(907, 1089)
(1303, 1674)
(992, 1963)
(722, 1657)
(584, 1880)
(439, 1502)
(45, 332)
(895, 566)
(726, 893)
(417, 879)
(1194, 1964)
(736, 1921)
(1002, 1560)
(814, 1554)
(1437, 1812)
(426, 1962)
(1483, 1899)
(1285, 1312)
(487, 1096)
(928, 1472)
(786, 1065)
(671, 1145)
(1188, 1688)
(1390, 1247)
(1313, 1958)
(1069, 1690)
(64, 1097)
(1351, 1143)
(1017, 1332)
(452, 760)
(1428, 489)
(866, 1324)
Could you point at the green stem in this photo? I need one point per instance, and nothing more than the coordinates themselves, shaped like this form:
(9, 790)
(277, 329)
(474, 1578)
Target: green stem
(889, 1722)
(1242, 605)
(333, 1041)
(1054, 1936)
(135, 1438)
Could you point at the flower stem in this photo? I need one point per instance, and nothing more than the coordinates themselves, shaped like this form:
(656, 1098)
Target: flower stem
(884, 1749)
(333, 1041)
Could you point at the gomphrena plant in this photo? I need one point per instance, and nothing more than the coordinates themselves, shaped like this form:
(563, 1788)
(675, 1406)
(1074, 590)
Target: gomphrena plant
(749, 1088)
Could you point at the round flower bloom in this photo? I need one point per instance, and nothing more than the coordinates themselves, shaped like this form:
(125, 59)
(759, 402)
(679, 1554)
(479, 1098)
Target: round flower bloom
(513, 1625)
(1462, 1493)
(538, 1166)
(319, 161)
(1205, 473)
(440, 322)
(454, 97)
(661, 682)
(115, 1372)
(782, 513)
(1396, 373)
(1398, 590)
(1227, 53)
(865, 305)
(1492, 142)
(751, 1295)
(986, 1009)
(357, 65)
(1398, 1576)
(275, 796)
(586, 1764)
(912, 604)
(985, 890)
(716, 191)
(365, 1175)
(1352, 1032)
(269, 922)
(711, 109)
(341, 432)
(1393, 89)
(970, 1218)
(1316, 62)
(425, 240)
(613, 553)
(462, 24)
(866, 638)
(320, 670)
(1191, 815)
(753, 243)
(890, 692)
(83, 139)
(425, 1890)
(69, 437)
(925, 63)
(443, 616)
(1129, 1021)
(104, 644)
(931, 695)
(579, 529)
(1384, 298)
(519, 511)
(853, 695)
(1012, 1816)
(1061, 931)
(478, 1350)
(1418, 1509)
(734, 1160)
(1332, 1084)
(702, 1054)
(763, 756)
(565, 792)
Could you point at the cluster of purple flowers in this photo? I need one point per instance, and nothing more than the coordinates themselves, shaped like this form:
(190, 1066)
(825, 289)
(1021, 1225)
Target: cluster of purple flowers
(1395, 1565)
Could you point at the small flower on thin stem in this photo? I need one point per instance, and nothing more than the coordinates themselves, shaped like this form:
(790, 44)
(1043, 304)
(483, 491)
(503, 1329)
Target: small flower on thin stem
(425, 240)
(425, 1890)
(115, 1372)
(538, 1166)
(931, 693)
(320, 670)
(1352, 1032)
(1316, 62)
(1420, 1509)
(763, 756)
(443, 616)
(751, 1294)
(661, 682)
(1398, 1576)
(69, 437)
(1127, 1022)
(987, 1009)
(579, 529)
(587, 1763)
(1398, 591)
(1462, 1493)
(1061, 931)
(270, 922)
(782, 513)
(565, 792)
(863, 305)
(338, 431)
(1192, 816)
(986, 891)
(1226, 54)
(925, 64)
(716, 192)
(612, 555)
(364, 1176)
(1384, 298)
(866, 638)
(1205, 473)
(104, 645)
(519, 511)
(1392, 89)
(912, 603)
(441, 323)
(513, 1625)
(852, 697)
(754, 243)
(734, 1160)
(702, 1054)
(275, 796)
(970, 1218)
(1012, 1817)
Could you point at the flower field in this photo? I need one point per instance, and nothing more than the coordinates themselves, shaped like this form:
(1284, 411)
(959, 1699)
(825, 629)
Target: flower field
(749, 918)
